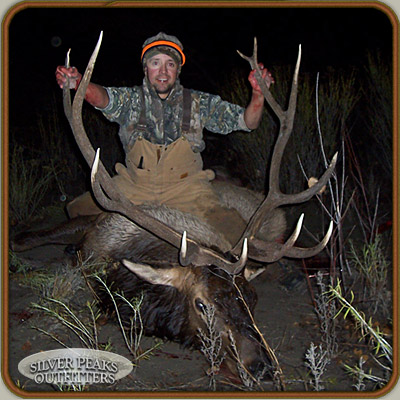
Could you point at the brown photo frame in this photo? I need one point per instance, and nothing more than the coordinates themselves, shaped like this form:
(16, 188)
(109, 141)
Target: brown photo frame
(13, 88)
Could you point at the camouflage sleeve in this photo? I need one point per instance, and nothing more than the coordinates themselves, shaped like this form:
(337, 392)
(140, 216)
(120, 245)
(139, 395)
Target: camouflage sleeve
(220, 116)
(120, 103)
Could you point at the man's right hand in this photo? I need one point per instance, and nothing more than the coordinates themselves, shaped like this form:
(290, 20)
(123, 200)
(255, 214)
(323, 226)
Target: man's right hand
(68, 76)
(95, 94)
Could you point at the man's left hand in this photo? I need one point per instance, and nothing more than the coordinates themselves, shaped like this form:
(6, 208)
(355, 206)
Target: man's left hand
(266, 76)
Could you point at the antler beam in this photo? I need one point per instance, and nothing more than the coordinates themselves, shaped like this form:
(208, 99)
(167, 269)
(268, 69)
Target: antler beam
(258, 249)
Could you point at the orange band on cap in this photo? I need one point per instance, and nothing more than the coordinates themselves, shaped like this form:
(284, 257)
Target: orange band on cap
(164, 43)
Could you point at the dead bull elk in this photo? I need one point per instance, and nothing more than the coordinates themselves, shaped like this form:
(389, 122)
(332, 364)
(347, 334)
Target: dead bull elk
(155, 243)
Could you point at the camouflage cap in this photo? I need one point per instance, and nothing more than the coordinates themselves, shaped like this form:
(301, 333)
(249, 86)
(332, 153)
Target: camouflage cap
(163, 43)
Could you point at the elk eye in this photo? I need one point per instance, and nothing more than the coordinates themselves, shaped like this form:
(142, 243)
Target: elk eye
(200, 306)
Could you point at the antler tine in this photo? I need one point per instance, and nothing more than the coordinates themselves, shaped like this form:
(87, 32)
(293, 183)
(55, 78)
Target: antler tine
(292, 239)
(83, 140)
(98, 192)
(241, 263)
(183, 258)
(67, 93)
(298, 252)
(295, 80)
(286, 120)
(67, 64)
(264, 88)
(271, 252)
(253, 59)
(297, 68)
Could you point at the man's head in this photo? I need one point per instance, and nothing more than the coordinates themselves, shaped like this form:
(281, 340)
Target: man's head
(162, 58)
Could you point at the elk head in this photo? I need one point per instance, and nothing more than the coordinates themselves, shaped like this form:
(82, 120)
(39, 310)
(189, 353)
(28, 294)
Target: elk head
(197, 306)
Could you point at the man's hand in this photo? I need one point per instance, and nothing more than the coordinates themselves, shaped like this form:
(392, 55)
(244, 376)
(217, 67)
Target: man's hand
(253, 112)
(69, 76)
(266, 76)
(95, 94)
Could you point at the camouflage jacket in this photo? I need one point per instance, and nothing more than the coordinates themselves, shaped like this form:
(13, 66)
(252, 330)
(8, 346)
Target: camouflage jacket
(164, 117)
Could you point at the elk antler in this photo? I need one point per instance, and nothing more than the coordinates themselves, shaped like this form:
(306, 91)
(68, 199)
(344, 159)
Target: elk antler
(110, 198)
(260, 250)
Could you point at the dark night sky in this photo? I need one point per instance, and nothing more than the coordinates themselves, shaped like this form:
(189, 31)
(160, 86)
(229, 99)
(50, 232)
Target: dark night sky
(335, 37)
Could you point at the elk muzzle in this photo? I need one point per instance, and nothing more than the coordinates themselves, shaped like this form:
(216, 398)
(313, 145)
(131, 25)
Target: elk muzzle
(246, 355)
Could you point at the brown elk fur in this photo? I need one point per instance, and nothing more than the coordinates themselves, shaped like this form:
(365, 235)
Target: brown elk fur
(112, 235)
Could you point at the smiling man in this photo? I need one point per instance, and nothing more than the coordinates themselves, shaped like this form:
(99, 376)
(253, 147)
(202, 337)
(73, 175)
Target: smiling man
(161, 129)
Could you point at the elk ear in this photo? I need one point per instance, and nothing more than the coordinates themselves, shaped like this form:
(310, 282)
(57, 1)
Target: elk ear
(156, 276)
(251, 273)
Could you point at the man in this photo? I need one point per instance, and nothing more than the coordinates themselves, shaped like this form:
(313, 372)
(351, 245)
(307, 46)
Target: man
(161, 129)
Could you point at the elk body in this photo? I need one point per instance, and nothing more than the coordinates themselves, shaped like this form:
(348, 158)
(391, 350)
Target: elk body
(181, 264)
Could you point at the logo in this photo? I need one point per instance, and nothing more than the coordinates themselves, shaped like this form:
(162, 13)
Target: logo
(75, 367)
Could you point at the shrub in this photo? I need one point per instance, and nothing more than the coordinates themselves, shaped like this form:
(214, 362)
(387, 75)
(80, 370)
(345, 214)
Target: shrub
(29, 183)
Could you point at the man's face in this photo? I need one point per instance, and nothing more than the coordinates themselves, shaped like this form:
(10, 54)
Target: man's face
(162, 71)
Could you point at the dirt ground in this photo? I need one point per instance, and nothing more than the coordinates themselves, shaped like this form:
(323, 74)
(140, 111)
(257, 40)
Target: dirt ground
(285, 315)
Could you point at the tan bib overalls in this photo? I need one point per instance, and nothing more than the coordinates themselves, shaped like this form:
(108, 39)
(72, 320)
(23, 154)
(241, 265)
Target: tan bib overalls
(172, 175)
